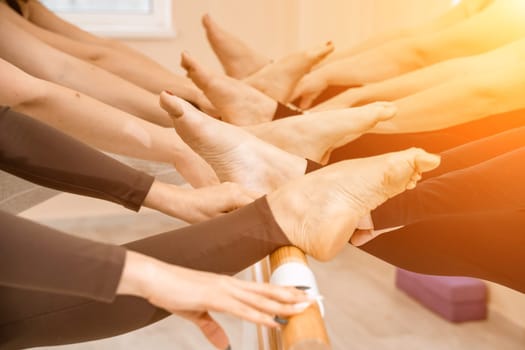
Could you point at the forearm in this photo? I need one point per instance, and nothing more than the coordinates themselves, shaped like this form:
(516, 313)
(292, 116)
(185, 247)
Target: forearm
(36, 257)
(112, 130)
(101, 125)
(61, 68)
(71, 167)
(138, 69)
(138, 268)
(41, 16)
(114, 91)
(147, 74)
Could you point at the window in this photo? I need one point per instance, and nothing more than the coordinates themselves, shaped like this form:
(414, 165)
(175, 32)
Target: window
(117, 18)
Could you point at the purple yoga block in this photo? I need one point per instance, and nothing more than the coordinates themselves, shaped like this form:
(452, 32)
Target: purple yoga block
(457, 299)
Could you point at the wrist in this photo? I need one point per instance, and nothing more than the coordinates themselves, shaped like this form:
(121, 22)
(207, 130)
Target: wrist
(155, 199)
(166, 198)
(137, 275)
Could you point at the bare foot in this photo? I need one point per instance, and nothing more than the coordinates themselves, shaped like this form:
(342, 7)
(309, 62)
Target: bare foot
(234, 154)
(320, 211)
(238, 59)
(278, 79)
(236, 102)
(317, 212)
(316, 135)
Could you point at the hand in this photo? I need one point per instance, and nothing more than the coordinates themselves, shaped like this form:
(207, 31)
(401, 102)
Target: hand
(192, 294)
(361, 237)
(201, 204)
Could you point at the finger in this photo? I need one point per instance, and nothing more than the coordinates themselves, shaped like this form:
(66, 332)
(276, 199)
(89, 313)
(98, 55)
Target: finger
(212, 330)
(240, 200)
(282, 294)
(240, 195)
(245, 199)
(361, 237)
(270, 306)
(251, 314)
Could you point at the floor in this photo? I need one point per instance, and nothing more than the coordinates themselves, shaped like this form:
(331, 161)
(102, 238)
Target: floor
(363, 308)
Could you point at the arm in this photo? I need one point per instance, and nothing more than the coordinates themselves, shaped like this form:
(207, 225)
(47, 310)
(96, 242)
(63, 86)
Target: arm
(31, 255)
(66, 70)
(139, 69)
(38, 258)
(43, 155)
(107, 54)
(100, 125)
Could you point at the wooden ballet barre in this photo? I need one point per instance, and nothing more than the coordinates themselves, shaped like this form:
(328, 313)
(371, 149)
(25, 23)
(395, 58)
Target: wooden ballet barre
(305, 331)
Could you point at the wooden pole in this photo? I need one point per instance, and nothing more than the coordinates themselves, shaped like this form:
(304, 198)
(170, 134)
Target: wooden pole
(307, 330)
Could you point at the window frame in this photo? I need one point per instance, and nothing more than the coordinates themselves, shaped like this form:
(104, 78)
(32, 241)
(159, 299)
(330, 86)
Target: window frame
(157, 24)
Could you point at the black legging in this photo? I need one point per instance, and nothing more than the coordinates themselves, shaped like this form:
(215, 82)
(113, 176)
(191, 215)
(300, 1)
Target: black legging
(488, 245)
(433, 141)
(483, 240)
(480, 176)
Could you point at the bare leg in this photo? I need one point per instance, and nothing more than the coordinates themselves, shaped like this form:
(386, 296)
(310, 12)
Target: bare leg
(315, 135)
(465, 9)
(238, 59)
(491, 84)
(470, 37)
(488, 90)
(236, 102)
(467, 68)
(401, 86)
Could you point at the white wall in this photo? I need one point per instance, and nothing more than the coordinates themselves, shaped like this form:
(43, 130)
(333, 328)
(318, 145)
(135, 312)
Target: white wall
(277, 27)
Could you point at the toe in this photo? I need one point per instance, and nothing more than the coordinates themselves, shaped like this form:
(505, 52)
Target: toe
(318, 53)
(170, 104)
(206, 21)
(187, 62)
(384, 110)
(426, 161)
